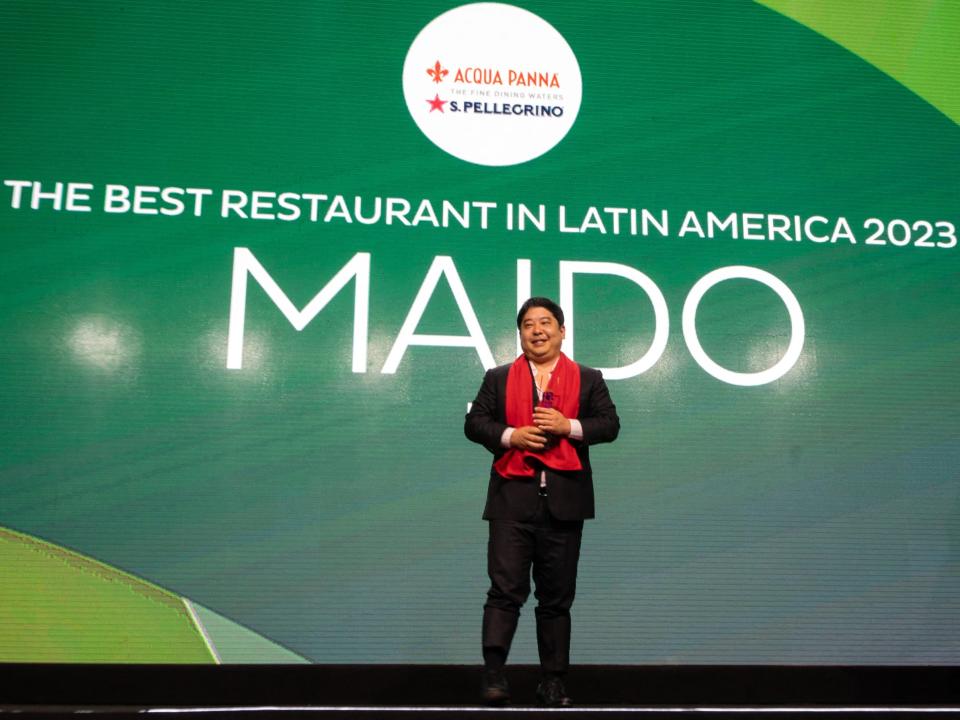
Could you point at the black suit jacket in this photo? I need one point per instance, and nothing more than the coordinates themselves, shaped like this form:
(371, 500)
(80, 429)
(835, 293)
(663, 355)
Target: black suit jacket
(569, 494)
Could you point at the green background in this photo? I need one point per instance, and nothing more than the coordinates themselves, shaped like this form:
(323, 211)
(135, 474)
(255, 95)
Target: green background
(336, 514)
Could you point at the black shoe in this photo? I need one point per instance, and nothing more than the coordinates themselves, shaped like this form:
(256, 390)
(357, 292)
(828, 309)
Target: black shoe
(495, 690)
(551, 693)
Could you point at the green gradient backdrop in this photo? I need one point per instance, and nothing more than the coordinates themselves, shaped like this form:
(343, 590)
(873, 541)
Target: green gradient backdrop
(814, 519)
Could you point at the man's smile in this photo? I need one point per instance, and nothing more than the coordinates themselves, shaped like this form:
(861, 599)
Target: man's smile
(540, 335)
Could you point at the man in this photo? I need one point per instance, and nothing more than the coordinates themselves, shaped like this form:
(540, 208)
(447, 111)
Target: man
(538, 416)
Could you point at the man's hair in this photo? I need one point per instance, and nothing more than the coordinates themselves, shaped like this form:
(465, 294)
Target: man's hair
(541, 302)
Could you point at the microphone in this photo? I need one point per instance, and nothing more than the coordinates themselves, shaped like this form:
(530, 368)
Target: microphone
(547, 400)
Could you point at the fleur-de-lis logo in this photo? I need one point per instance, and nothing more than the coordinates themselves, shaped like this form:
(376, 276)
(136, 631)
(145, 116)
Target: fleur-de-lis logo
(437, 72)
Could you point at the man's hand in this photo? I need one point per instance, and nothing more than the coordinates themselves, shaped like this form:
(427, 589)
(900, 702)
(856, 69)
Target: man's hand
(528, 437)
(551, 420)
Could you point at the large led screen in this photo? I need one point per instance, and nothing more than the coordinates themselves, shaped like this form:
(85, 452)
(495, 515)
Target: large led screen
(257, 256)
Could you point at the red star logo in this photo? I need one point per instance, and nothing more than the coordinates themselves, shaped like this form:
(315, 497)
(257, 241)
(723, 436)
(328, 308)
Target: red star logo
(436, 103)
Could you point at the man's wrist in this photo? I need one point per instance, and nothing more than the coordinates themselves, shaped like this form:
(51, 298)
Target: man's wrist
(505, 437)
(576, 429)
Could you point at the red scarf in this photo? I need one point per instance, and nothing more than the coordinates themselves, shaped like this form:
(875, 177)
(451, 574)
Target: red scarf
(565, 387)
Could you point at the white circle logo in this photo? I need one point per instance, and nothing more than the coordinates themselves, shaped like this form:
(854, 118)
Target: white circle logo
(492, 84)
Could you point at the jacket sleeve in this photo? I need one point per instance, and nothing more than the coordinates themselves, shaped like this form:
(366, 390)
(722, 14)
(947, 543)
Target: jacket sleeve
(481, 424)
(598, 416)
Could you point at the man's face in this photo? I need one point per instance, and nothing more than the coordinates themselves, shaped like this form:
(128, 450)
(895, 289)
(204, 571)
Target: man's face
(540, 335)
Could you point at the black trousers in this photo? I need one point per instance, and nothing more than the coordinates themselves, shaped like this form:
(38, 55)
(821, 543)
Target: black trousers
(551, 548)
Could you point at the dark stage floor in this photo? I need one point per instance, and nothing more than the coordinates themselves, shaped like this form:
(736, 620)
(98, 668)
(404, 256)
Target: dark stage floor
(442, 691)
